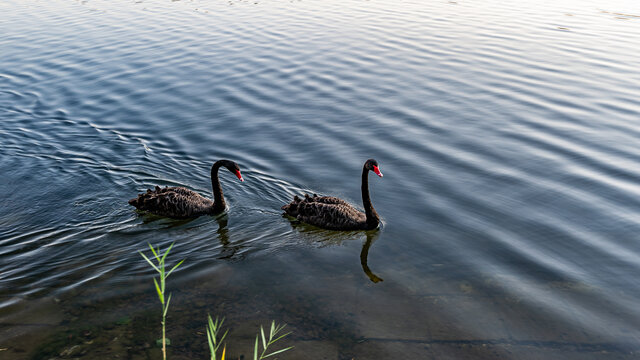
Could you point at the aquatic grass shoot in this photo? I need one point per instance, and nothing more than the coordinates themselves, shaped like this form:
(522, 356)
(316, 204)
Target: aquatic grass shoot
(160, 268)
(212, 337)
(275, 329)
(214, 328)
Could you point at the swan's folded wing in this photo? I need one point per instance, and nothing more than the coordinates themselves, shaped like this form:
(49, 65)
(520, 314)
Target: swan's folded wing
(331, 216)
(173, 202)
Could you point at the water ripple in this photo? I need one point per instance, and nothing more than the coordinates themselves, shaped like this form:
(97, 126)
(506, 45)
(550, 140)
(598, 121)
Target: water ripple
(507, 134)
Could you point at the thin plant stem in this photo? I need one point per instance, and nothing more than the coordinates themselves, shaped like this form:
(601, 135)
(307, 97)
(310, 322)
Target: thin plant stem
(160, 289)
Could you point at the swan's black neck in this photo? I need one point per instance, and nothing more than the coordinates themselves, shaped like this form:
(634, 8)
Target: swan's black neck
(372, 216)
(218, 197)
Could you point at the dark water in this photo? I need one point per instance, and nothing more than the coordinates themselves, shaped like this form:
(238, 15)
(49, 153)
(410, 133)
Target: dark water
(508, 135)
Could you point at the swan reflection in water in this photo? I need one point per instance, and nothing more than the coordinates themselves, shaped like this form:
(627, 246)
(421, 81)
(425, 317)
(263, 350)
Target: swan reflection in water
(229, 250)
(326, 238)
(364, 256)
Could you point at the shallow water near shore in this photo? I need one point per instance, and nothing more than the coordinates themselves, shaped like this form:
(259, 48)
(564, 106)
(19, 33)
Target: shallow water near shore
(507, 133)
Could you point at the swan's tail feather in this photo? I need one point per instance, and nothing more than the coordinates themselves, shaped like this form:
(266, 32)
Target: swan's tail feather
(292, 207)
(147, 199)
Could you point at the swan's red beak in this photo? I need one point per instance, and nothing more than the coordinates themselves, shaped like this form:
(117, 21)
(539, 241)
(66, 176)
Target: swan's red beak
(377, 171)
(239, 175)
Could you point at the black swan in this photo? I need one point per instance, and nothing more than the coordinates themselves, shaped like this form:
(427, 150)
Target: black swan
(179, 202)
(336, 214)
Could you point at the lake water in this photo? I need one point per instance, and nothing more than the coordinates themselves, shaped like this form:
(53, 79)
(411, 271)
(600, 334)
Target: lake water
(508, 133)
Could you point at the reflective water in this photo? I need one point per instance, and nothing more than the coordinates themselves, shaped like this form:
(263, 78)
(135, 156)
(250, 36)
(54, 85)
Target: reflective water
(507, 132)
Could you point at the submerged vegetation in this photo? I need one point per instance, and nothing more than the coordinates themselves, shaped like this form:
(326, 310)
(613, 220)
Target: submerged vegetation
(213, 327)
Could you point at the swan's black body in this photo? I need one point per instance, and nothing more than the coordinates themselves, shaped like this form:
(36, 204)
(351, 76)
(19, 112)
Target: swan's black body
(180, 202)
(336, 214)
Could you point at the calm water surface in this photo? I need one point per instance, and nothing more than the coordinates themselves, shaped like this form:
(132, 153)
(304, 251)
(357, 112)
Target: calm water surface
(508, 132)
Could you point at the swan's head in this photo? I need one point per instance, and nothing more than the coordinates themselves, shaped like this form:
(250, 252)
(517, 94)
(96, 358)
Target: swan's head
(235, 169)
(372, 165)
(232, 167)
